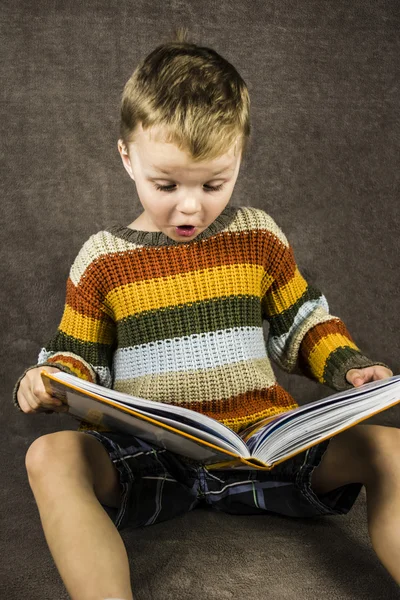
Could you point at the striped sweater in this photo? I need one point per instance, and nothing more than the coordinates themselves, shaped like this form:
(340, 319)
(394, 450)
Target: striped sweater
(182, 322)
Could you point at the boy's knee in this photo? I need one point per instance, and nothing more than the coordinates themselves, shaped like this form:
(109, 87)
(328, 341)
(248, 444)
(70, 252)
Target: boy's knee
(384, 444)
(374, 448)
(43, 451)
(38, 454)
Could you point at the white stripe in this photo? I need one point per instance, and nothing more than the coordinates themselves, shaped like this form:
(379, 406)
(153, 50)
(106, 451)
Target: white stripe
(194, 352)
(140, 453)
(279, 342)
(104, 376)
(163, 478)
(311, 313)
(247, 482)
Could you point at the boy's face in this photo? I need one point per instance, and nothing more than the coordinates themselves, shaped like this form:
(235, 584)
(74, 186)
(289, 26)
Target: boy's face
(195, 195)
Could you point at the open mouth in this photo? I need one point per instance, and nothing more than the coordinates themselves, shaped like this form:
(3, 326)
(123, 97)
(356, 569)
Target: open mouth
(185, 230)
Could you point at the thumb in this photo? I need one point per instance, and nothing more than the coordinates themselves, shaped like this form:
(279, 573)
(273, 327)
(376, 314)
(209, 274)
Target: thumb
(355, 378)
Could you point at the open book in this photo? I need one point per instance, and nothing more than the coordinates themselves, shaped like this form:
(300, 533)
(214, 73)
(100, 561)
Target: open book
(263, 445)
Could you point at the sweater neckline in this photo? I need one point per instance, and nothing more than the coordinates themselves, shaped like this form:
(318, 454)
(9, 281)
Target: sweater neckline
(158, 238)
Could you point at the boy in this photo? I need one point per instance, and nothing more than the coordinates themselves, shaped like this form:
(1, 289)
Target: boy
(170, 308)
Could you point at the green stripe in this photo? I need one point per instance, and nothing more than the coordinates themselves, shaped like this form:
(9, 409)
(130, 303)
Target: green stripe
(95, 354)
(282, 322)
(340, 356)
(199, 317)
(338, 359)
(255, 495)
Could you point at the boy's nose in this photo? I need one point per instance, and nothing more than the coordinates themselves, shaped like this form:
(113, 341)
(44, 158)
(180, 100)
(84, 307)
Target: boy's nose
(189, 205)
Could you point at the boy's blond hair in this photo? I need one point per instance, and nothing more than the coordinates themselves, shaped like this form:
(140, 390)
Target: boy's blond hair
(198, 97)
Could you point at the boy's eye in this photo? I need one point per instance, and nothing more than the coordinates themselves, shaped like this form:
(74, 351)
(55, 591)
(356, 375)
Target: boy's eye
(170, 188)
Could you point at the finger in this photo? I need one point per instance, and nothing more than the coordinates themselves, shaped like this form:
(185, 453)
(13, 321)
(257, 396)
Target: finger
(381, 372)
(51, 405)
(55, 405)
(28, 402)
(33, 402)
(60, 408)
(357, 378)
(23, 403)
(41, 401)
(43, 398)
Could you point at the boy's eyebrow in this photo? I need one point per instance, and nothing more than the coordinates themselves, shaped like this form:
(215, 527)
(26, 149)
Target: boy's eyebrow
(168, 172)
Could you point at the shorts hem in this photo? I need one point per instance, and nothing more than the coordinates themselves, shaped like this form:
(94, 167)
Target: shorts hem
(336, 502)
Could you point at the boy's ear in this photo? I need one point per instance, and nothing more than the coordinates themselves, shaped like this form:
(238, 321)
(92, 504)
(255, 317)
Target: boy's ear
(126, 161)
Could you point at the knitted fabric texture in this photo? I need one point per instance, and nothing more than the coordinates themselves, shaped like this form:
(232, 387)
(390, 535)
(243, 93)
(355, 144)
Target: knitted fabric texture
(182, 323)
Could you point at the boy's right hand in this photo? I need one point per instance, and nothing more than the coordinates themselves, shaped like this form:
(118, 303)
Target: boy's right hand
(32, 396)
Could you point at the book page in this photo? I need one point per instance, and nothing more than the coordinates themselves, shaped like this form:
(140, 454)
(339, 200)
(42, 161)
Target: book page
(180, 415)
(119, 418)
(298, 430)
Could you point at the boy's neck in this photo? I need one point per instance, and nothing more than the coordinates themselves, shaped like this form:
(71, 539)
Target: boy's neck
(141, 224)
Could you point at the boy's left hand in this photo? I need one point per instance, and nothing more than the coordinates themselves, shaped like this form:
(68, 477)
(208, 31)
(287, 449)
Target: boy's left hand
(358, 377)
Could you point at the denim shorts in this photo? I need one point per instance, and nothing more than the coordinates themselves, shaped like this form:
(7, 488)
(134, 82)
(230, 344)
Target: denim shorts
(158, 485)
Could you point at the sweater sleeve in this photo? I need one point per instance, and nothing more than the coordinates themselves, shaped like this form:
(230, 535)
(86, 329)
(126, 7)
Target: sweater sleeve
(84, 341)
(304, 338)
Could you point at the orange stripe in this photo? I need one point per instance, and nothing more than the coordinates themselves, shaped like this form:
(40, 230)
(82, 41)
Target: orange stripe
(251, 403)
(287, 268)
(75, 365)
(76, 303)
(225, 249)
(241, 411)
(318, 332)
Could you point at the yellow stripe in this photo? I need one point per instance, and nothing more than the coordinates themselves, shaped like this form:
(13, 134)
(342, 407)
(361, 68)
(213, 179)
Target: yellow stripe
(66, 363)
(84, 328)
(287, 295)
(319, 354)
(184, 288)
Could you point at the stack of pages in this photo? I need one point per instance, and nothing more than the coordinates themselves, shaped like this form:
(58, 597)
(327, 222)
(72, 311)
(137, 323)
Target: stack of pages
(262, 446)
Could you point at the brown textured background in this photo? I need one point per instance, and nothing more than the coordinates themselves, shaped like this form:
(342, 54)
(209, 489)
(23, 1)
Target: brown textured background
(324, 162)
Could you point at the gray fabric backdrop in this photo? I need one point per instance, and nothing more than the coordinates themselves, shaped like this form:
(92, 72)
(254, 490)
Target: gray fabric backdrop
(324, 162)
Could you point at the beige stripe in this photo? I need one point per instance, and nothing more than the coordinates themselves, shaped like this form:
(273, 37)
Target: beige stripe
(98, 244)
(204, 385)
(255, 218)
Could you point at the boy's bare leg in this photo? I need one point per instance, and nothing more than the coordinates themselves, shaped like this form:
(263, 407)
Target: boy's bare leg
(369, 454)
(85, 544)
(383, 508)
